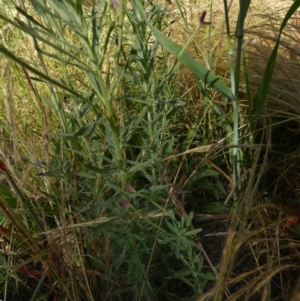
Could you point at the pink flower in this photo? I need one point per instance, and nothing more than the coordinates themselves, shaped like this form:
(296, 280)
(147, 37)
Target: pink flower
(115, 4)
(125, 204)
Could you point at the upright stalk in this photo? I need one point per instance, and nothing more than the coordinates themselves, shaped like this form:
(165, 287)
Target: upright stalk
(235, 81)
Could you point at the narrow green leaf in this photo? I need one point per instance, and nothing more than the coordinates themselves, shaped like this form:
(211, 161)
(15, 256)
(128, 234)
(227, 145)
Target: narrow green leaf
(30, 18)
(109, 135)
(260, 99)
(189, 219)
(83, 130)
(10, 55)
(209, 276)
(142, 165)
(38, 287)
(172, 228)
(156, 188)
(96, 24)
(200, 71)
(134, 124)
(10, 199)
(202, 174)
(182, 274)
(192, 232)
(101, 170)
(176, 102)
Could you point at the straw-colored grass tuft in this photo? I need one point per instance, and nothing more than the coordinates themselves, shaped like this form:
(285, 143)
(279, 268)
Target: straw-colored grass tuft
(261, 29)
(261, 254)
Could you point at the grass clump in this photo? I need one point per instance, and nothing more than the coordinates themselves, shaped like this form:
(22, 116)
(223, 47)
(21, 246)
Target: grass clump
(117, 162)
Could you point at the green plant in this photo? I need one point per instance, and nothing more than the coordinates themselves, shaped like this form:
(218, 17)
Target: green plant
(118, 155)
(110, 96)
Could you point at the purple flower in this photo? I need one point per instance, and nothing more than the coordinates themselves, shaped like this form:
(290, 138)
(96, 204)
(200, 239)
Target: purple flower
(125, 204)
(115, 4)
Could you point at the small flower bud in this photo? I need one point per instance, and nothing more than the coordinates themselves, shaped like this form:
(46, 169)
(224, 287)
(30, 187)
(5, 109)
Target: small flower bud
(2, 165)
(129, 188)
(125, 204)
(115, 4)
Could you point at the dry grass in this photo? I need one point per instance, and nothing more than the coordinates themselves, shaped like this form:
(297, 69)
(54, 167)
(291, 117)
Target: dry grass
(261, 28)
(260, 259)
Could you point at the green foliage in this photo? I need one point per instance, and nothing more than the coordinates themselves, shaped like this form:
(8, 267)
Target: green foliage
(110, 128)
(96, 210)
